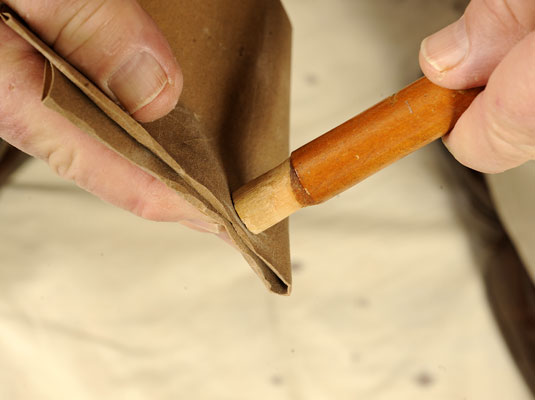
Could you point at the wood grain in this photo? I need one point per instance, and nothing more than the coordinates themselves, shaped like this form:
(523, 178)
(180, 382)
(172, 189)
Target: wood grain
(344, 156)
(390, 130)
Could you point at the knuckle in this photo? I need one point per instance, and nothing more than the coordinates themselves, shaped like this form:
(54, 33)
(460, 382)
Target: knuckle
(144, 208)
(17, 93)
(508, 137)
(62, 161)
(510, 15)
(147, 204)
(88, 23)
(146, 211)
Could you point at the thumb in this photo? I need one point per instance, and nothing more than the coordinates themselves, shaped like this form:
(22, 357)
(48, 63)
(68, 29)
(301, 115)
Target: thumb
(465, 53)
(497, 132)
(115, 44)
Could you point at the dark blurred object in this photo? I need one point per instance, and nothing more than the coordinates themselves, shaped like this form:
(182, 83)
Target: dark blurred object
(512, 297)
(510, 290)
(10, 159)
(3, 148)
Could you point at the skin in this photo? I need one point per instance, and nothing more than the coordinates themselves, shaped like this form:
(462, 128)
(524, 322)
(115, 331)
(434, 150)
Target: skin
(90, 35)
(497, 132)
(98, 36)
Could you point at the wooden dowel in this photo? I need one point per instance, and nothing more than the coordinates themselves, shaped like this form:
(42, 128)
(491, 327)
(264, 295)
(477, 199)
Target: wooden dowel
(344, 156)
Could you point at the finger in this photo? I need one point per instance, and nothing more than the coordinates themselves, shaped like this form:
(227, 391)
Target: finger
(465, 53)
(497, 132)
(70, 152)
(116, 44)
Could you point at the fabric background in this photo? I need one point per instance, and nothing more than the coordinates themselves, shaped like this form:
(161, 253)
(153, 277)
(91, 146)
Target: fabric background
(388, 299)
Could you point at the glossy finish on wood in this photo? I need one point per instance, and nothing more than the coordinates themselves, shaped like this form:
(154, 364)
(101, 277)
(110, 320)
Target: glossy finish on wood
(390, 130)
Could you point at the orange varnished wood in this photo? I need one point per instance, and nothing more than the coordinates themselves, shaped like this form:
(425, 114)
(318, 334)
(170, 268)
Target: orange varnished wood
(390, 130)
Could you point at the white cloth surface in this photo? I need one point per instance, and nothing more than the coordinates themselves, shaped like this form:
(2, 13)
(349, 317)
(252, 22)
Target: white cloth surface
(388, 301)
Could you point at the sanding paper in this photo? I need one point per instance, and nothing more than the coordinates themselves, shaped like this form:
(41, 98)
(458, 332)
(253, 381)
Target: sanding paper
(230, 125)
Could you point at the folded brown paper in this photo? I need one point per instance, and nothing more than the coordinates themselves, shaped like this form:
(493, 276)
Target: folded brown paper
(230, 125)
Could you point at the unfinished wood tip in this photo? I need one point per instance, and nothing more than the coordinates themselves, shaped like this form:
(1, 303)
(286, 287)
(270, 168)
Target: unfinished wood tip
(266, 200)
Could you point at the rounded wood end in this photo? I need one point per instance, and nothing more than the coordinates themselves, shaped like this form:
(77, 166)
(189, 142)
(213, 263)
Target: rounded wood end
(266, 200)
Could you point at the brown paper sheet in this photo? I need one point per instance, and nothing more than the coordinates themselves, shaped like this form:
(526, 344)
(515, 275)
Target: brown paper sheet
(230, 125)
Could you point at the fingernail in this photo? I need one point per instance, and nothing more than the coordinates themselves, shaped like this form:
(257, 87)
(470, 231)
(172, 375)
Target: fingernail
(448, 47)
(203, 226)
(138, 81)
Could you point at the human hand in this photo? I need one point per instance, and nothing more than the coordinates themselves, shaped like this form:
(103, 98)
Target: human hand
(493, 44)
(118, 46)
